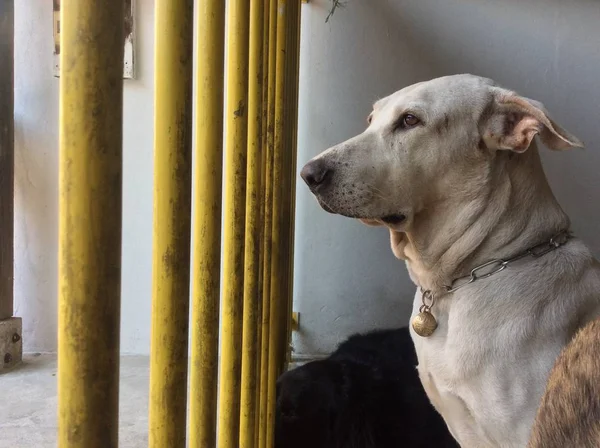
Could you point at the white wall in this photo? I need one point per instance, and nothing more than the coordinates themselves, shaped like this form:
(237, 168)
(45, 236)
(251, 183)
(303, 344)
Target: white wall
(36, 181)
(36, 170)
(346, 278)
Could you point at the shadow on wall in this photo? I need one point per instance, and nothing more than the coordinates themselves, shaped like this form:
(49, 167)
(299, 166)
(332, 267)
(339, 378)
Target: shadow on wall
(346, 278)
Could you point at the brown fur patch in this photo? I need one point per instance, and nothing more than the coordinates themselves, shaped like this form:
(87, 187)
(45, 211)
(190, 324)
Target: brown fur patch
(569, 414)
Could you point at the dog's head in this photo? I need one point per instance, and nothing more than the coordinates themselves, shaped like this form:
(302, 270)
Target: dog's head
(307, 404)
(427, 142)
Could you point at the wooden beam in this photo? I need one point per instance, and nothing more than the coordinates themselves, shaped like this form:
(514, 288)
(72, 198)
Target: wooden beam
(7, 157)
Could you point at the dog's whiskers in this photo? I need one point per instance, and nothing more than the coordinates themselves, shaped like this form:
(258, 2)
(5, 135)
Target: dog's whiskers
(378, 193)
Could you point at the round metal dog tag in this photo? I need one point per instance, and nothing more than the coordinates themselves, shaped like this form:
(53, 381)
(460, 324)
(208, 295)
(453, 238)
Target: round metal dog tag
(424, 323)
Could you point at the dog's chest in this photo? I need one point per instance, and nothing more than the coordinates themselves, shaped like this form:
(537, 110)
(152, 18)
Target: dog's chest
(479, 376)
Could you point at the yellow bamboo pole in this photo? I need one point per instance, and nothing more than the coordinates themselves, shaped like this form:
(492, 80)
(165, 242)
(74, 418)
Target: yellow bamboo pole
(292, 101)
(286, 175)
(268, 213)
(252, 235)
(90, 186)
(284, 201)
(275, 339)
(234, 217)
(207, 223)
(263, 185)
(172, 206)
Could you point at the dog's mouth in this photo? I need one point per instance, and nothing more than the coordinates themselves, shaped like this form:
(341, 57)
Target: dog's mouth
(394, 219)
(325, 207)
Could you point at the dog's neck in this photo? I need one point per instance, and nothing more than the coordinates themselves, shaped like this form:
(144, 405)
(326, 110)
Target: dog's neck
(512, 210)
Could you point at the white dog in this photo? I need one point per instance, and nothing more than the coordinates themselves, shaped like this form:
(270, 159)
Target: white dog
(451, 167)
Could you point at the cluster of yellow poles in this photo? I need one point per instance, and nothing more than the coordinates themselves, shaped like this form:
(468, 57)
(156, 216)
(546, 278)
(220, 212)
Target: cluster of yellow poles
(246, 110)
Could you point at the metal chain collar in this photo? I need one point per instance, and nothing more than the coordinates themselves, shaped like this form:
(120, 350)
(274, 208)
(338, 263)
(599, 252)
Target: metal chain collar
(497, 265)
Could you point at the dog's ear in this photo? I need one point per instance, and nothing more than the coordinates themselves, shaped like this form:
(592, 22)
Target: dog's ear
(512, 121)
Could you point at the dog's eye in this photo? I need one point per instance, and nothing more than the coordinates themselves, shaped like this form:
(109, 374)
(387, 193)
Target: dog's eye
(409, 121)
(369, 118)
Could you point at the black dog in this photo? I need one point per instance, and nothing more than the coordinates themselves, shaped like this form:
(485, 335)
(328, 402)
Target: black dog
(367, 394)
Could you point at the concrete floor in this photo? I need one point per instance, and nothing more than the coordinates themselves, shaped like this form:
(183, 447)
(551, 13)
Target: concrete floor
(28, 403)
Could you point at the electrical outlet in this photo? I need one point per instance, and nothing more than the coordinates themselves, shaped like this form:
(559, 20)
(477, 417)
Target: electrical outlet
(295, 321)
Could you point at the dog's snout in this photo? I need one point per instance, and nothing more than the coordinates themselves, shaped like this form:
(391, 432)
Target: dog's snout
(315, 173)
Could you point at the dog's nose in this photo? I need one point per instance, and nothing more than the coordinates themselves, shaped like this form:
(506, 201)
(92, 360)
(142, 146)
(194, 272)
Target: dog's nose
(315, 173)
